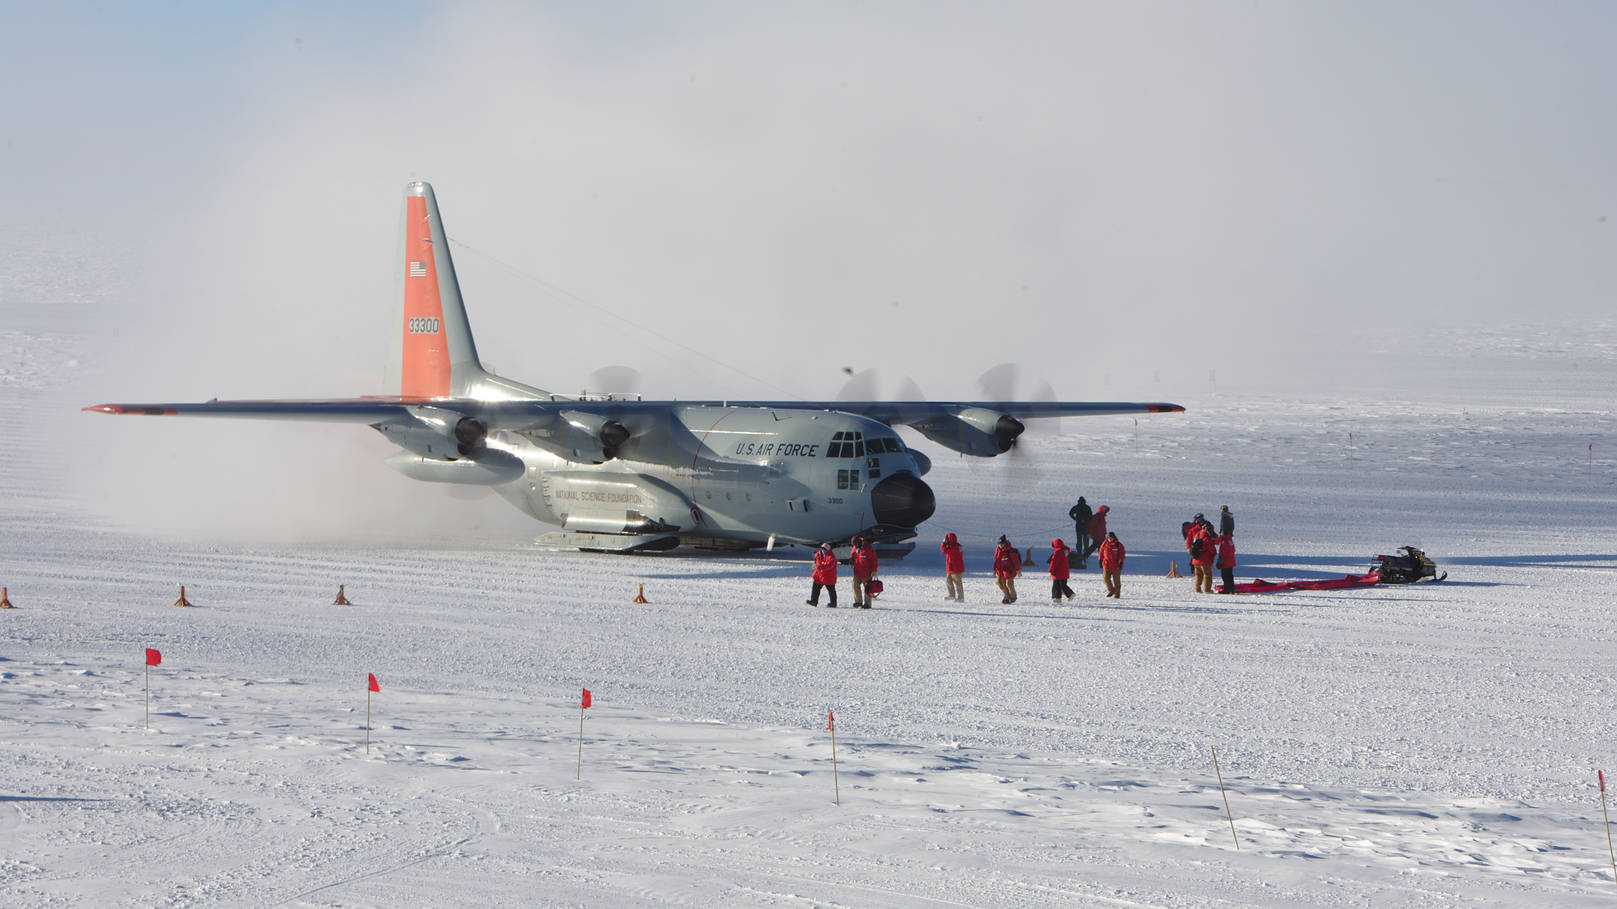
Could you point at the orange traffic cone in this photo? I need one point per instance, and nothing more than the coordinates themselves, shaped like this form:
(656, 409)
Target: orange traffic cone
(640, 595)
(1173, 570)
(340, 600)
(182, 601)
(1029, 559)
(5, 601)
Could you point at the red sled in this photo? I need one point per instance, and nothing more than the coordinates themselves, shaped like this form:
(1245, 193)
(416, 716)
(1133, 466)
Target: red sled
(1259, 585)
(1351, 580)
(1256, 585)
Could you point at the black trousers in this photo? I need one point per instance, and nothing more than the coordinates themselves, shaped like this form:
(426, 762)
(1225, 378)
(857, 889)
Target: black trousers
(1059, 588)
(829, 588)
(1229, 580)
(1082, 545)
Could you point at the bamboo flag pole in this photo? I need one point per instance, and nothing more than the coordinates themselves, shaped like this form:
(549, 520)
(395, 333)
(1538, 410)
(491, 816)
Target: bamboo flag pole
(831, 724)
(583, 705)
(1607, 818)
(370, 686)
(154, 657)
(1225, 795)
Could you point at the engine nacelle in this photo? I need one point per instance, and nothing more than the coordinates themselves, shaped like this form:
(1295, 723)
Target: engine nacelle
(439, 434)
(975, 431)
(590, 436)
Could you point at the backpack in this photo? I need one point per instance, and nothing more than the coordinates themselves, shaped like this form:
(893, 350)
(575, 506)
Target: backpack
(1196, 546)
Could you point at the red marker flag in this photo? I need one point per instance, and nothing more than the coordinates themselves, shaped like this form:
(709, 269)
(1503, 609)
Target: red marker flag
(371, 683)
(154, 657)
(1602, 775)
(585, 701)
(830, 721)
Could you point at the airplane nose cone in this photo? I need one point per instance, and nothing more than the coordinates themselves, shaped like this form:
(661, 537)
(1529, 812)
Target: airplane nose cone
(902, 500)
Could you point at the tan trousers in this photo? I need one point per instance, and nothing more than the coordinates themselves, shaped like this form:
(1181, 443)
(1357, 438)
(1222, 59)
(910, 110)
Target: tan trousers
(1114, 583)
(1007, 586)
(956, 589)
(1204, 578)
(861, 590)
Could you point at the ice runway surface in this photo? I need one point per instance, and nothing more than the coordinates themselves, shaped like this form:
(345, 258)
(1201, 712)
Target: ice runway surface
(1424, 745)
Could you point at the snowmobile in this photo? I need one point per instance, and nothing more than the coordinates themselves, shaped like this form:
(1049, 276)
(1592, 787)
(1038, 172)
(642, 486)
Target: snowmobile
(1407, 567)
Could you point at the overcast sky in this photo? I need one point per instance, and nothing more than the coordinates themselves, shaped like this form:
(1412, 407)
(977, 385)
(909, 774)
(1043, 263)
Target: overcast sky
(1118, 196)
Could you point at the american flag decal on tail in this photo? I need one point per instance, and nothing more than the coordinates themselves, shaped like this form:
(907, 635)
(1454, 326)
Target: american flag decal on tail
(418, 269)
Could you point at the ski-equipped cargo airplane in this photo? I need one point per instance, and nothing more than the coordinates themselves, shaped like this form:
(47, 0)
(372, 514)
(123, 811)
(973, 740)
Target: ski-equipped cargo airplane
(619, 473)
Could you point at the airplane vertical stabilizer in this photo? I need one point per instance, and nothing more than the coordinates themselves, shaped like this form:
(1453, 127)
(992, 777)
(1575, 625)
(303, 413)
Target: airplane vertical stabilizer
(435, 356)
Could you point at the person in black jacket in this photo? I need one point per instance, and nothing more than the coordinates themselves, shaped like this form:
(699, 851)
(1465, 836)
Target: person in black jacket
(1080, 515)
(1226, 522)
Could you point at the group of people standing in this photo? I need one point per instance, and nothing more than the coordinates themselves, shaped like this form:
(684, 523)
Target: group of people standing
(1008, 566)
(1208, 547)
(1092, 538)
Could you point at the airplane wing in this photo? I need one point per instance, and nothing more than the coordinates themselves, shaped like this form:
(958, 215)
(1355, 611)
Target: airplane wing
(513, 413)
(979, 428)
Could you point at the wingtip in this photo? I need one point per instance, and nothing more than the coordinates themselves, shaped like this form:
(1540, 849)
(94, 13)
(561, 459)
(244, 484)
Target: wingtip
(1164, 408)
(131, 409)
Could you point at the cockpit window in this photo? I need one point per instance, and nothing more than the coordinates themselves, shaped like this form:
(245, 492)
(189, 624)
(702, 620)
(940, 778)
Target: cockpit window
(849, 444)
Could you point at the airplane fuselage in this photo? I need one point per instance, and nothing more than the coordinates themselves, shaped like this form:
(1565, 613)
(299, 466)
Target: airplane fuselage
(721, 473)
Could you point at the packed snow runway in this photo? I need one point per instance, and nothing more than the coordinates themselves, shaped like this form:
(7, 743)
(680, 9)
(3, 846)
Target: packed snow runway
(1427, 745)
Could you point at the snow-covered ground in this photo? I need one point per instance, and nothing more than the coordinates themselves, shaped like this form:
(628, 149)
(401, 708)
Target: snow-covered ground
(1430, 745)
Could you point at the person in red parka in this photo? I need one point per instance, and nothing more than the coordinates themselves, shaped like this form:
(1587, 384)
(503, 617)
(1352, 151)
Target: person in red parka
(954, 565)
(1202, 546)
(1007, 565)
(1111, 565)
(864, 568)
(1226, 561)
(825, 575)
(1097, 531)
(1060, 570)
